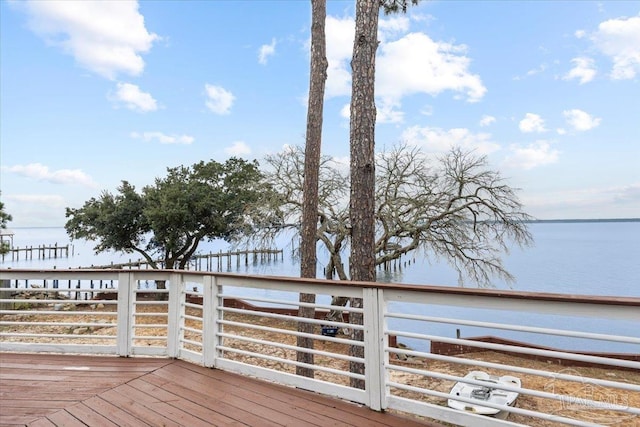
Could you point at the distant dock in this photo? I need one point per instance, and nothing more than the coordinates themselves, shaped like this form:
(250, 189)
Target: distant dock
(41, 252)
(213, 261)
(85, 290)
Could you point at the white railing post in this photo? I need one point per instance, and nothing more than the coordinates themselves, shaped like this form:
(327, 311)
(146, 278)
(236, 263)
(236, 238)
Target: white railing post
(373, 341)
(175, 314)
(210, 323)
(126, 297)
(383, 327)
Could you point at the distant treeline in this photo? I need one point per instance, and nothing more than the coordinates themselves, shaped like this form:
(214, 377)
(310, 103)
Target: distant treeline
(586, 220)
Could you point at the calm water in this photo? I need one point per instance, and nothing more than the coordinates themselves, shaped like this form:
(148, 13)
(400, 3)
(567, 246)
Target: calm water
(595, 258)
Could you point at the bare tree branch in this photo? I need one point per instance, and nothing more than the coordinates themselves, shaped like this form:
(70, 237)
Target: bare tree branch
(452, 207)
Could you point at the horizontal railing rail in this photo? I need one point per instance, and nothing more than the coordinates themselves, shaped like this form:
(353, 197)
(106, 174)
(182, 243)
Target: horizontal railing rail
(576, 358)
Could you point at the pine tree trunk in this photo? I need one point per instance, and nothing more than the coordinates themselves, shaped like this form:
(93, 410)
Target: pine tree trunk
(308, 262)
(362, 142)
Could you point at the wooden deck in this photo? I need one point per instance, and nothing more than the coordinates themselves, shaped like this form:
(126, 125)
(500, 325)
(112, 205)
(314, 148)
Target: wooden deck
(55, 390)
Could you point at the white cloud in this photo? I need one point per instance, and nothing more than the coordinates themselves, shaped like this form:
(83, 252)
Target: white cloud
(339, 35)
(486, 120)
(537, 154)
(583, 70)
(345, 111)
(238, 148)
(133, 98)
(580, 34)
(163, 138)
(36, 210)
(532, 123)
(441, 140)
(105, 37)
(387, 112)
(219, 100)
(266, 50)
(627, 194)
(417, 64)
(580, 120)
(427, 110)
(41, 172)
(619, 39)
(541, 69)
(532, 72)
(343, 163)
(411, 64)
(392, 26)
(588, 202)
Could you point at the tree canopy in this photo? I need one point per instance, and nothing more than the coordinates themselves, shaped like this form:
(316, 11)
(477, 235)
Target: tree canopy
(4, 216)
(167, 220)
(452, 207)
(4, 219)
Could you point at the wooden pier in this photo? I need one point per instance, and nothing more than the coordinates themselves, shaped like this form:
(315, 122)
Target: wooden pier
(213, 261)
(85, 290)
(41, 252)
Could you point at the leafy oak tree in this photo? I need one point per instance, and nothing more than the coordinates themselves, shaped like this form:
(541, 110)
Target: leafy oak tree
(4, 219)
(165, 222)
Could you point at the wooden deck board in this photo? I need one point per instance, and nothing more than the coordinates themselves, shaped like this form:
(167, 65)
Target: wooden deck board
(212, 399)
(201, 405)
(42, 390)
(250, 395)
(117, 415)
(313, 403)
(90, 416)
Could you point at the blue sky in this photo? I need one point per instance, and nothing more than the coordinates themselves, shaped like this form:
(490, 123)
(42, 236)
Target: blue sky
(95, 93)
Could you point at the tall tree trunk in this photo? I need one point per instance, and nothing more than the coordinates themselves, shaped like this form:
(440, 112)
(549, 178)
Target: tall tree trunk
(318, 76)
(362, 142)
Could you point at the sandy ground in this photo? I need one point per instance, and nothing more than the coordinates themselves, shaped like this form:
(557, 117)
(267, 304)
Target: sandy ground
(574, 406)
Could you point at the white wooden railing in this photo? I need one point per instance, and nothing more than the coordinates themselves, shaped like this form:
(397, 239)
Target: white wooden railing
(206, 318)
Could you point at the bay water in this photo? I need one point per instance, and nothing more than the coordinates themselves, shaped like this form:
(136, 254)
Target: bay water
(588, 258)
